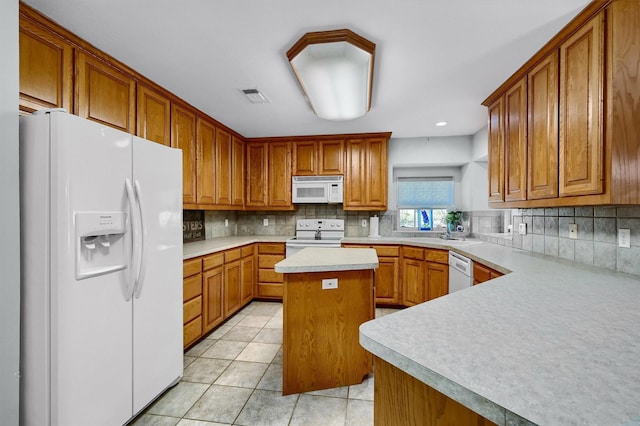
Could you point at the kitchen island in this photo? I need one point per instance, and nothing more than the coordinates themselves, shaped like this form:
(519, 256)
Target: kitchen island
(550, 343)
(328, 294)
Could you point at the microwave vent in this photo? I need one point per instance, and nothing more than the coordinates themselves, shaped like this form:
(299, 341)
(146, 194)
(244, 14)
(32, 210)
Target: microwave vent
(317, 179)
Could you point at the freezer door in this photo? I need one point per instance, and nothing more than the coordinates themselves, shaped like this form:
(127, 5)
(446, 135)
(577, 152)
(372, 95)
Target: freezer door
(157, 302)
(90, 319)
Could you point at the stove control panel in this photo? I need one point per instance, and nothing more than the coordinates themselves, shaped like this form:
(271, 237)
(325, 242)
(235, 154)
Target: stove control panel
(320, 224)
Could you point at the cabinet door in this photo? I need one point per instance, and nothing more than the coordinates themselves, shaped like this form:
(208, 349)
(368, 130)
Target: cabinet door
(386, 280)
(305, 158)
(279, 172)
(46, 69)
(515, 143)
(437, 280)
(232, 288)
(413, 281)
(183, 136)
(154, 116)
(354, 177)
(542, 123)
(104, 94)
(496, 151)
(237, 168)
(223, 167)
(213, 281)
(205, 162)
(248, 276)
(257, 162)
(376, 174)
(581, 114)
(331, 157)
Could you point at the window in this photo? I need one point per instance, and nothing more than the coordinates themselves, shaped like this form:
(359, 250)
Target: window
(423, 202)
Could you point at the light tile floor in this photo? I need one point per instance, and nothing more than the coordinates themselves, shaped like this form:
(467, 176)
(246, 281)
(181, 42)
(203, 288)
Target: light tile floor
(234, 377)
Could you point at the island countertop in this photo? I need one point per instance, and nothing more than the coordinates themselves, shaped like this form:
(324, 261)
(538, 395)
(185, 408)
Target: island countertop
(316, 259)
(551, 343)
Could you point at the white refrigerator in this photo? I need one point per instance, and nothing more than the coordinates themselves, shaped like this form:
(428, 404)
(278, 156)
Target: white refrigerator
(101, 265)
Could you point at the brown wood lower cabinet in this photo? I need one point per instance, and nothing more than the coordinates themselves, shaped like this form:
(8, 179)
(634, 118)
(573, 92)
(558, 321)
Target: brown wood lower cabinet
(425, 274)
(192, 299)
(401, 399)
(482, 273)
(387, 276)
(215, 287)
(270, 282)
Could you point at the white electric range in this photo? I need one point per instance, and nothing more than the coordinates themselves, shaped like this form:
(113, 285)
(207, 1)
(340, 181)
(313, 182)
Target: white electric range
(316, 233)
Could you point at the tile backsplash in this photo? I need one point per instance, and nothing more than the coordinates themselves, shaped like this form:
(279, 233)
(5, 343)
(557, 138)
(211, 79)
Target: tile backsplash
(597, 239)
(547, 229)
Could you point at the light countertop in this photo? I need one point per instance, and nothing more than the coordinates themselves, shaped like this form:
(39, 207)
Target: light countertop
(202, 248)
(316, 259)
(552, 343)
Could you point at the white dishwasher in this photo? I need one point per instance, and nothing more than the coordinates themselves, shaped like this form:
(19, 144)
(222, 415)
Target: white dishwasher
(460, 272)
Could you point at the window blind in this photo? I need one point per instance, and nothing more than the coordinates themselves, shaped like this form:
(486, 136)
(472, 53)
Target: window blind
(420, 192)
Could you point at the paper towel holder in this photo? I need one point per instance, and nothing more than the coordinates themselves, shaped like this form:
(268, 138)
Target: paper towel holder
(374, 227)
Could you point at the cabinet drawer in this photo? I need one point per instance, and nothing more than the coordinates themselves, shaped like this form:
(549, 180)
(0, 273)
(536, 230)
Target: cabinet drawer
(271, 248)
(191, 267)
(192, 331)
(438, 256)
(191, 287)
(192, 309)
(268, 261)
(270, 276)
(270, 290)
(481, 273)
(231, 255)
(248, 250)
(389, 251)
(351, 245)
(212, 261)
(413, 253)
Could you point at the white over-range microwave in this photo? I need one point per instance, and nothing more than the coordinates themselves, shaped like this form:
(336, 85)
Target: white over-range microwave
(317, 189)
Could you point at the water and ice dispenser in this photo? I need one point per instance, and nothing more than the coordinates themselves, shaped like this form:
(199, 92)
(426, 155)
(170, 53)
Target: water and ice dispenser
(100, 243)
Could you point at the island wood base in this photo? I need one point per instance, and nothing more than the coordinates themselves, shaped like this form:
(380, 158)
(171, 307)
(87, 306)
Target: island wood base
(321, 348)
(400, 399)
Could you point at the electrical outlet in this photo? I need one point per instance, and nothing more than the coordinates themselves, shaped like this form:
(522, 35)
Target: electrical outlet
(624, 238)
(265, 222)
(226, 223)
(330, 284)
(364, 223)
(522, 229)
(573, 231)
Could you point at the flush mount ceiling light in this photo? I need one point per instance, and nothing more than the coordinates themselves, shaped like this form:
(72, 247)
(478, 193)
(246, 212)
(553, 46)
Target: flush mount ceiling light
(441, 123)
(335, 71)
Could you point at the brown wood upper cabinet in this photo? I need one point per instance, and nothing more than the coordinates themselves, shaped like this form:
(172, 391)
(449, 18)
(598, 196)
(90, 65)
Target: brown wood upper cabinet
(205, 162)
(154, 116)
(365, 186)
(318, 157)
(223, 167)
(46, 68)
(183, 136)
(279, 171)
(582, 117)
(256, 180)
(104, 94)
(268, 174)
(237, 171)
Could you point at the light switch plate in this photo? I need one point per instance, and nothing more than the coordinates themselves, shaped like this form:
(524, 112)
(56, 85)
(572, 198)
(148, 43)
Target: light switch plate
(226, 223)
(573, 231)
(329, 283)
(364, 223)
(522, 229)
(624, 238)
(265, 222)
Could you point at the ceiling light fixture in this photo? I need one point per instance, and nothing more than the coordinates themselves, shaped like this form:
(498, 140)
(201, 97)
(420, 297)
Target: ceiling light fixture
(335, 71)
(441, 123)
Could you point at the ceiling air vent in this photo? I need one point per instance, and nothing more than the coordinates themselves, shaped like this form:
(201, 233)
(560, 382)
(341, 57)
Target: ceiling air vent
(255, 97)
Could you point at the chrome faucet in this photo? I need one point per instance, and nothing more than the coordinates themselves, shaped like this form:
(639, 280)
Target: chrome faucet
(318, 237)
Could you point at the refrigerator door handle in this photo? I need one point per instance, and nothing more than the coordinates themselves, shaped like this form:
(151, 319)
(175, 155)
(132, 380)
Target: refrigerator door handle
(143, 233)
(135, 231)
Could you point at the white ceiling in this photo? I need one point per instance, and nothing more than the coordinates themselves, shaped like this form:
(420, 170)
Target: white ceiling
(435, 59)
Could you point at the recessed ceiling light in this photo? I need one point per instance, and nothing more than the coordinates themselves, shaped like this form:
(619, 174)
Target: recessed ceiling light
(441, 123)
